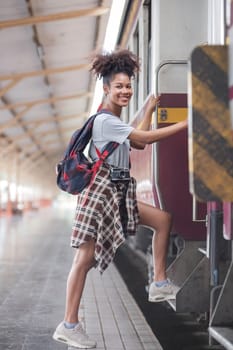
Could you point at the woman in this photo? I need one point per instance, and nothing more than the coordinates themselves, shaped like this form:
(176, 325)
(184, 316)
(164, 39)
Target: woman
(111, 210)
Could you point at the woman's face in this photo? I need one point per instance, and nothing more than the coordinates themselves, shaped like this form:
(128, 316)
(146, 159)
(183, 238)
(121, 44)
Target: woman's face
(120, 90)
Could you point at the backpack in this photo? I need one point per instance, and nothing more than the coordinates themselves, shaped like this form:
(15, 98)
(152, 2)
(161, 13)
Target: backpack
(76, 171)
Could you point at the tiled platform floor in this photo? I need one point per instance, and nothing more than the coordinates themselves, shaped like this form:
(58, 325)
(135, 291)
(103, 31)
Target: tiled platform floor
(35, 258)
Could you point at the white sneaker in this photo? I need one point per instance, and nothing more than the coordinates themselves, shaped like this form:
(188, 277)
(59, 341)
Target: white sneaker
(166, 292)
(75, 337)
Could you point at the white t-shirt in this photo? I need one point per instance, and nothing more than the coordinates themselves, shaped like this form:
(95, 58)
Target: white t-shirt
(109, 128)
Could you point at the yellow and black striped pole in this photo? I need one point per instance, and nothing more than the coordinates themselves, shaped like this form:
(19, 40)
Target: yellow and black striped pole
(210, 137)
(230, 55)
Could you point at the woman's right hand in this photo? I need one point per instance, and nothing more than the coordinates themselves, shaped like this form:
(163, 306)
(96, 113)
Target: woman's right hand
(184, 123)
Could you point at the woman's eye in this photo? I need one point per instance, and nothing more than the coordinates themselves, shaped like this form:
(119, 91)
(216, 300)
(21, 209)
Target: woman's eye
(121, 87)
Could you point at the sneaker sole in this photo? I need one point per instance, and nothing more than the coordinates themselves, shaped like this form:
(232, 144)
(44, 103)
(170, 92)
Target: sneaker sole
(64, 340)
(159, 299)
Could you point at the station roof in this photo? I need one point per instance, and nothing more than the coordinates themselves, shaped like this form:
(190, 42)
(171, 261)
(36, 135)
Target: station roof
(46, 88)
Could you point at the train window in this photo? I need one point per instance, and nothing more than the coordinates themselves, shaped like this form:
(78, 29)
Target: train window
(133, 105)
(140, 44)
(149, 72)
(147, 46)
(136, 80)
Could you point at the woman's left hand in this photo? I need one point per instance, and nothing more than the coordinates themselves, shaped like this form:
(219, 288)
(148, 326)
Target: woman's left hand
(153, 102)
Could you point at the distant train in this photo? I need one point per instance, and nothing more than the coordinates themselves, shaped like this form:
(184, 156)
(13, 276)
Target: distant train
(185, 57)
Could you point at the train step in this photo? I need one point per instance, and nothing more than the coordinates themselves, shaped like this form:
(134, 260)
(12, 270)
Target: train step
(203, 251)
(205, 347)
(224, 335)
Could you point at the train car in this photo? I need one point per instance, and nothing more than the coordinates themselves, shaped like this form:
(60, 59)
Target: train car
(183, 46)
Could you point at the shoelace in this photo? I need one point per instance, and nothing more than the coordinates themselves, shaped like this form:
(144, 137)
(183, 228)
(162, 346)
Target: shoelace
(80, 329)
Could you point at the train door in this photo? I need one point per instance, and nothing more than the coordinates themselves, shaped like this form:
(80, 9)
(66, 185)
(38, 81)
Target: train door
(162, 172)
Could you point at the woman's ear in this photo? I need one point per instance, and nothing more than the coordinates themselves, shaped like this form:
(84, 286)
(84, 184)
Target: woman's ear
(106, 89)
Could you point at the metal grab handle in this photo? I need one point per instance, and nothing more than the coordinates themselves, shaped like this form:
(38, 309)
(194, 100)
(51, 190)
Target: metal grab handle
(155, 172)
(161, 65)
(194, 212)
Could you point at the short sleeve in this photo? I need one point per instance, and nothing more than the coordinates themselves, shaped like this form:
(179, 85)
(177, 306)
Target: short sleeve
(114, 129)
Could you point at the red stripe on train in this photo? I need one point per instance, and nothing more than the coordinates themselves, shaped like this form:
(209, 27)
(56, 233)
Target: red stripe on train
(173, 100)
(231, 93)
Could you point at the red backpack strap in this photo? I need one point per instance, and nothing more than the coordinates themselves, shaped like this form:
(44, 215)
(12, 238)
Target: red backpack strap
(108, 149)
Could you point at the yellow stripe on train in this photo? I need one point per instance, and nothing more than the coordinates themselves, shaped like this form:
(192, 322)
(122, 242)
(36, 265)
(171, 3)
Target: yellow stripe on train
(172, 115)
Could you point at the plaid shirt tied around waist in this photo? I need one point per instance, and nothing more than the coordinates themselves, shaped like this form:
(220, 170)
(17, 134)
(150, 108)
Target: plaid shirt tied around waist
(106, 212)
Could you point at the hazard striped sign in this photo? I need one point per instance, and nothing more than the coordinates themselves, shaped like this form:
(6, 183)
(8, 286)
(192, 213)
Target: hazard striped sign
(210, 137)
(231, 62)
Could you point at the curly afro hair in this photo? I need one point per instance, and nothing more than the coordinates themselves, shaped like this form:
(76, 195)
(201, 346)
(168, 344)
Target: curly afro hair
(106, 65)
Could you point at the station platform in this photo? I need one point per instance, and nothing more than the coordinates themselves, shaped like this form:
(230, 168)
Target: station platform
(35, 259)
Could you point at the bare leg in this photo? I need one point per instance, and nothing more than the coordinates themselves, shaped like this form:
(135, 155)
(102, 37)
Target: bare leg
(160, 221)
(82, 263)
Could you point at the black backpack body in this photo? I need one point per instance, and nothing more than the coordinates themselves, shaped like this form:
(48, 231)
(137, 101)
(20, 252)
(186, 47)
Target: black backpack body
(76, 171)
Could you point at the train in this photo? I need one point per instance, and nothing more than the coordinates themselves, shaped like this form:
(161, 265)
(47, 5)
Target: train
(186, 54)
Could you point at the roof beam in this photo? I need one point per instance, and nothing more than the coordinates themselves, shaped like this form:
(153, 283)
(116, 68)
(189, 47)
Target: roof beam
(35, 124)
(42, 72)
(7, 149)
(15, 119)
(16, 78)
(59, 118)
(9, 86)
(96, 11)
(45, 100)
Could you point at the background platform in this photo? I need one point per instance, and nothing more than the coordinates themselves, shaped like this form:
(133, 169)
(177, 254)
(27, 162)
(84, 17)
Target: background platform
(35, 259)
